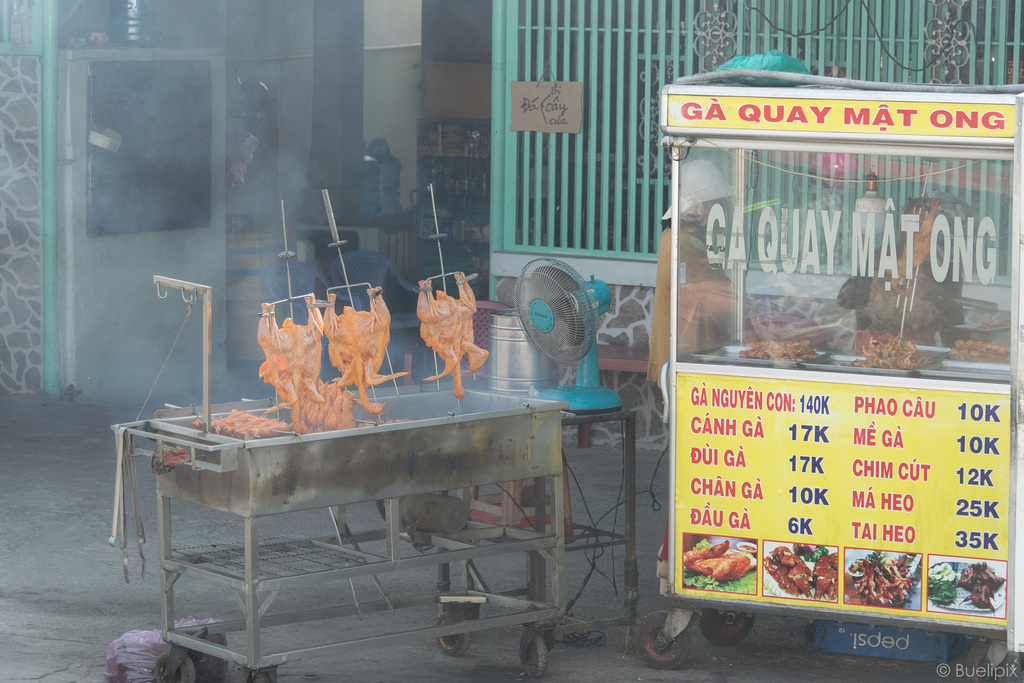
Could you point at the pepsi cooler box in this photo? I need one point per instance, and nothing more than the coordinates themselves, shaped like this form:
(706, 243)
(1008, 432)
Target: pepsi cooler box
(887, 641)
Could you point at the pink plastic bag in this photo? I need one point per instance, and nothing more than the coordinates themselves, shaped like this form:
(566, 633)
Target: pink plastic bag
(131, 657)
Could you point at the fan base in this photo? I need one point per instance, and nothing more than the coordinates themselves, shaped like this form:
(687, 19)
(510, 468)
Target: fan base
(584, 399)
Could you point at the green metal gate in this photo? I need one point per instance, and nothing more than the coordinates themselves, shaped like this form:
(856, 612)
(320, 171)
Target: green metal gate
(602, 192)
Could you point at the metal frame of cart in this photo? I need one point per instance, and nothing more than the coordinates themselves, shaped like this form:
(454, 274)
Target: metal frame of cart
(700, 116)
(486, 439)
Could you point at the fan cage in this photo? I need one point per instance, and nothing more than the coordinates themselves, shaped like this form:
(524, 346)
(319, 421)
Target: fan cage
(571, 302)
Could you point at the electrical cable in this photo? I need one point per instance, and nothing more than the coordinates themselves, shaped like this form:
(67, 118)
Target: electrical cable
(533, 521)
(595, 533)
(835, 17)
(655, 505)
(583, 639)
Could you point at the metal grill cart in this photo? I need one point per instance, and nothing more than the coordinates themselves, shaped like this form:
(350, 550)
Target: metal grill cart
(845, 315)
(428, 445)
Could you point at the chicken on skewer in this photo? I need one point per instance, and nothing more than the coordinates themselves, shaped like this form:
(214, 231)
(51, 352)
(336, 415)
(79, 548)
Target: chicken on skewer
(921, 244)
(293, 360)
(920, 247)
(358, 344)
(242, 425)
(447, 328)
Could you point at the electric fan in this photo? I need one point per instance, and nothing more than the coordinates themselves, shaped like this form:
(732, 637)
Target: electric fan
(558, 311)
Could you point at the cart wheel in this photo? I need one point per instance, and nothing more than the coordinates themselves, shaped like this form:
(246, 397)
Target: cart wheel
(186, 672)
(724, 627)
(533, 653)
(652, 647)
(454, 645)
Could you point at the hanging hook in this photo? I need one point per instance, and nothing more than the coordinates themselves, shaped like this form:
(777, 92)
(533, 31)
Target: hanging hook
(190, 300)
(158, 294)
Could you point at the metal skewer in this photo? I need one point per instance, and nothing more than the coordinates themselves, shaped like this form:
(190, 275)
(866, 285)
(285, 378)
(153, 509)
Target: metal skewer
(437, 236)
(348, 286)
(337, 241)
(440, 259)
(286, 256)
(444, 283)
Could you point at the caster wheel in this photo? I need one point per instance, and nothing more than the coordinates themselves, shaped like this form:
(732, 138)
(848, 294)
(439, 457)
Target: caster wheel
(261, 677)
(186, 672)
(533, 653)
(725, 628)
(454, 645)
(653, 648)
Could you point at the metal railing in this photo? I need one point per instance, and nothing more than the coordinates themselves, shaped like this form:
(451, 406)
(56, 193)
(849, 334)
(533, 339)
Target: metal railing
(603, 191)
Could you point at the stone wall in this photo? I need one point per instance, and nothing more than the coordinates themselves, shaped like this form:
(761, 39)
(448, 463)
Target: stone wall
(627, 323)
(20, 280)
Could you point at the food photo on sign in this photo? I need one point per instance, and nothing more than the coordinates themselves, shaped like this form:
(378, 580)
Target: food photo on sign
(801, 571)
(964, 585)
(720, 563)
(876, 578)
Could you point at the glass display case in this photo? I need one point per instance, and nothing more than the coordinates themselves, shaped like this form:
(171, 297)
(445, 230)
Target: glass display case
(877, 263)
(841, 288)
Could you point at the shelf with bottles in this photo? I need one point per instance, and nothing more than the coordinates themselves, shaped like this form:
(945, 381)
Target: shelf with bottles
(471, 228)
(454, 139)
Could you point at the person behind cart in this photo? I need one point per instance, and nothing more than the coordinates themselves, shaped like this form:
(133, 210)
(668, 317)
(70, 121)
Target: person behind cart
(706, 297)
(916, 306)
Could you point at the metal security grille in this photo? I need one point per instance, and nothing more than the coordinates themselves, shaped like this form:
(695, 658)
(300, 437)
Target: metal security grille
(20, 27)
(603, 191)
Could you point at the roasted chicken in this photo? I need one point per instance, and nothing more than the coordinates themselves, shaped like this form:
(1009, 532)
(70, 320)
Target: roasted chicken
(334, 413)
(979, 352)
(781, 350)
(358, 344)
(895, 354)
(447, 328)
(293, 360)
(921, 244)
(883, 580)
(718, 562)
(826, 577)
(789, 571)
(982, 583)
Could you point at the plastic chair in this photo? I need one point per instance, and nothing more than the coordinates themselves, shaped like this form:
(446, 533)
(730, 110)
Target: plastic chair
(305, 279)
(481, 337)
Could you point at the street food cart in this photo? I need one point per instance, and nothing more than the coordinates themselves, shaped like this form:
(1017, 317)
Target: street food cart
(845, 326)
(419, 460)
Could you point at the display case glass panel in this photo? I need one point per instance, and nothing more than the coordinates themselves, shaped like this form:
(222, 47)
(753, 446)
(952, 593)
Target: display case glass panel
(861, 263)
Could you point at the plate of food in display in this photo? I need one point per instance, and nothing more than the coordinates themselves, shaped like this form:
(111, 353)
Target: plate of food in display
(798, 571)
(774, 354)
(971, 587)
(972, 360)
(895, 356)
(882, 579)
(718, 564)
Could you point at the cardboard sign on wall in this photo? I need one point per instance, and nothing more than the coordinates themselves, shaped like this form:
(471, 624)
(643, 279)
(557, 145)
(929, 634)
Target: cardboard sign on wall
(547, 106)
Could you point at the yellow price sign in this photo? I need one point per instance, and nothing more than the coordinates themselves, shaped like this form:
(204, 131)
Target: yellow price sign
(854, 497)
